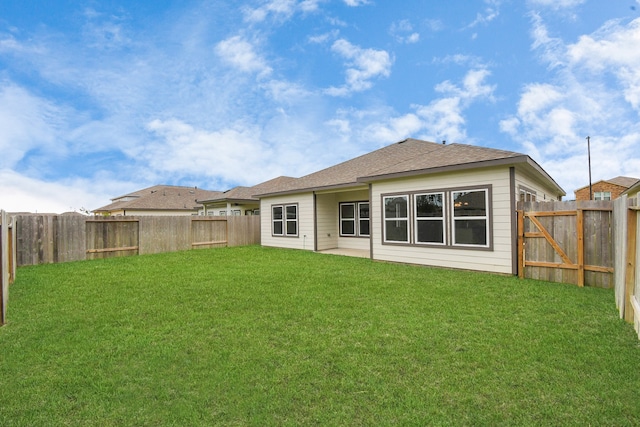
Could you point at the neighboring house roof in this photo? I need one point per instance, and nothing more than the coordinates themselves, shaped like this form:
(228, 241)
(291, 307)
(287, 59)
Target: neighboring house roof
(159, 197)
(244, 194)
(405, 158)
(622, 181)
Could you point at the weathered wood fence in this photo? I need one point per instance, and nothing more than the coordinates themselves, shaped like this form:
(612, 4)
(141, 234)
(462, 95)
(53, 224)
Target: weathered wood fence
(627, 256)
(43, 239)
(568, 242)
(7, 261)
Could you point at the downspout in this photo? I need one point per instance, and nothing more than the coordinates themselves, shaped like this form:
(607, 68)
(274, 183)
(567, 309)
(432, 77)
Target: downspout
(371, 228)
(514, 220)
(315, 222)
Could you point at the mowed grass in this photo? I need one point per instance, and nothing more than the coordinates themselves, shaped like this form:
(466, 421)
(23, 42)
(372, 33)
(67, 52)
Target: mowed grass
(259, 336)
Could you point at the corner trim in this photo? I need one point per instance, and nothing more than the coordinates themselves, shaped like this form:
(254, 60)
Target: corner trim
(514, 221)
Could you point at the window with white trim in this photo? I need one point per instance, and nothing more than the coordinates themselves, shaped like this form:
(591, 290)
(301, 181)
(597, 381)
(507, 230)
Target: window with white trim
(354, 219)
(527, 195)
(284, 220)
(429, 218)
(602, 195)
(364, 222)
(396, 219)
(470, 218)
(347, 219)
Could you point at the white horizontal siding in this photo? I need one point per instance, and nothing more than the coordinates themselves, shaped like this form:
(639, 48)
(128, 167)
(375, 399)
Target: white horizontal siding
(498, 260)
(327, 219)
(544, 191)
(361, 243)
(305, 238)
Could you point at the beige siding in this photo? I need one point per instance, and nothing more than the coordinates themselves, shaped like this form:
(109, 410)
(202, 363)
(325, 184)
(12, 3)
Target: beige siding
(228, 208)
(305, 238)
(351, 242)
(543, 191)
(498, 260)
(327, 217)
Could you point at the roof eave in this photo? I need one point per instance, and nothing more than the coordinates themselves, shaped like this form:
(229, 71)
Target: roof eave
(631, 189)
(311, 189)
(230, 200)
(466, 166)
(448, 168)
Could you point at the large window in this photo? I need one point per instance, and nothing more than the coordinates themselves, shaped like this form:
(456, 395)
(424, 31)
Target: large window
(470, 218)
(429, 218)
(602, 195)
(396, 219)
(354, 219)
(285, 220)
(452, 218)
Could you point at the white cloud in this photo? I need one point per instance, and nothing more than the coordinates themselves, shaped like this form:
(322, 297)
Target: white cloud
(19, 193)
(552, 50)
(280, 10)
(595, 93)
(241, 54)
(491, 12)
(323, 38)
(615, 49)
(363, 65)
(27, 122)
(441, 119)
(355, 3)
(233, 154)
(473, 87)
(403, 32)
(557, 4)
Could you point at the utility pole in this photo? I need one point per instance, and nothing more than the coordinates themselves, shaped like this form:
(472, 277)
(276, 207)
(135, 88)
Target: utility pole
(589, 154)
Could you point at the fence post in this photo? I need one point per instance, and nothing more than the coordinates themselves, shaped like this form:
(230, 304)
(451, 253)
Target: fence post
(521, 243)
(630, 274)
(4, 270)
(580, 248)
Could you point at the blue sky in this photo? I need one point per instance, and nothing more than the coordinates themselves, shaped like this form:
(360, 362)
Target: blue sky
(101, 98)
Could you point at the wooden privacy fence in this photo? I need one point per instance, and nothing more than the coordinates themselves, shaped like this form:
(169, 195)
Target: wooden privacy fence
(7, 261)
(627, 256)
(45, 239)
(568, 242)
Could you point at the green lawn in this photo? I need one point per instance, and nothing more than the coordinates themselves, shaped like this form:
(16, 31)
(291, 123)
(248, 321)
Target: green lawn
(259, 336)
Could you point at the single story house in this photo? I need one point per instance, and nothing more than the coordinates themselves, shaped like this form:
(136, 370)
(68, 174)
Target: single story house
(158, 200)
(239, 200)
(447, 205)
(609, 189)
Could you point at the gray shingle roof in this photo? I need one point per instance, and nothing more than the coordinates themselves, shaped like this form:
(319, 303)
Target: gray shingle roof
(160, 197)
(411, 156)
(247, 193)
(622, 181)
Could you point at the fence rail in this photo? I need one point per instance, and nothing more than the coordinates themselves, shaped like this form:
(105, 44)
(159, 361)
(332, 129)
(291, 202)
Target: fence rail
(43, 239)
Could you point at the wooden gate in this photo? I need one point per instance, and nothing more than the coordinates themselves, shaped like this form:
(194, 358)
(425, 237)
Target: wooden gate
(568, 242)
